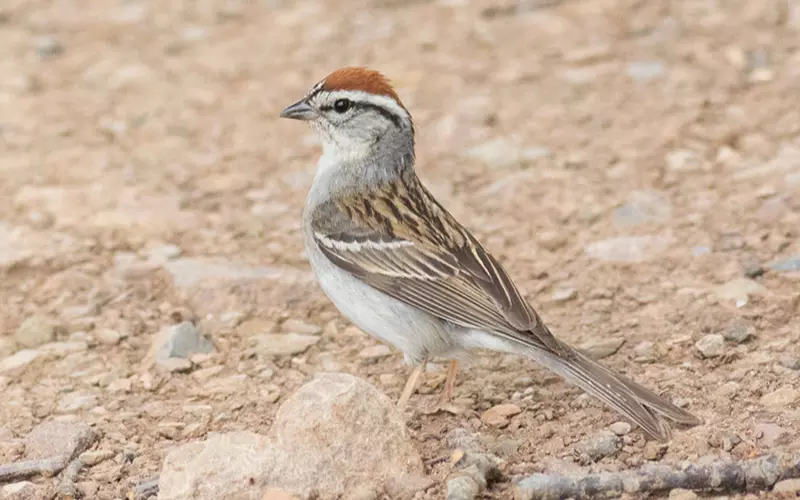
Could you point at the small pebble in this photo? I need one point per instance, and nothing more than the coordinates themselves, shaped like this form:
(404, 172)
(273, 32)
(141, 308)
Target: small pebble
(506, 447)
(362, 493)
(107, 336)
(711, 346)
(754, 271)
(179, 341)
(94, 457)
(602, 348)
(643, 207)
(502, 153)
(682, 494)
(462, 438)
(123, 385)
(729, 440)
(683, 160)
(770, 434)
(654, 451)
(169, 430)
(630, 249)
(301, 327)
(564, 294)
(462, 488)
(283, 344)
(61, 349)
(600, 445)
(35, 331)
(728, 389)
(787, 486)
(174, 365)
(789, 265)
(163, 253)
(790, 362)
(620, 428)
(784, 396)
(18, 362)
(645, 352)
(19, 490)
(375, 351)
(550, 240)
(739, 290)
(48, 46)
(523, 381)
(739, 332)
(644, 71)
(497, 416)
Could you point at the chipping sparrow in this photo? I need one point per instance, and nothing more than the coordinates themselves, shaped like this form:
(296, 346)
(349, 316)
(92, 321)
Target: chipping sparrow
(399, 266)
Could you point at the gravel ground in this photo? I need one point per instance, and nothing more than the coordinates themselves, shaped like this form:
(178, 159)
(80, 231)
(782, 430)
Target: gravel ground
(636, 166)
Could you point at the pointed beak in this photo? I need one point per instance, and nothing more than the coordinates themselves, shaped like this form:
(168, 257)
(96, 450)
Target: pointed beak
(300, 110)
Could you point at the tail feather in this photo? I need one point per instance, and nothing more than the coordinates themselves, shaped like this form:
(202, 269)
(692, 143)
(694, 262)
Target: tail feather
(639, 404)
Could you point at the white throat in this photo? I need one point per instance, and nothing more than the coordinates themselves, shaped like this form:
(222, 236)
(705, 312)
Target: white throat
(335, 155)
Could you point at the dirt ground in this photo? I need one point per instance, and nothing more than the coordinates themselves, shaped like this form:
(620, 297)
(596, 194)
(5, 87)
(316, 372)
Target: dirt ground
(134, 133)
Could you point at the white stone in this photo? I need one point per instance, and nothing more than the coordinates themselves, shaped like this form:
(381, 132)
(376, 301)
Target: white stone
(18, 361)
(283, 344)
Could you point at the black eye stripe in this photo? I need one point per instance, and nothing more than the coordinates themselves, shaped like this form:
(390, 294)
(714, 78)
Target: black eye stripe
(396, 120)
(382, 111)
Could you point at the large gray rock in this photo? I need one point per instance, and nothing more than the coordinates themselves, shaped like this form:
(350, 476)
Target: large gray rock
(335, 434)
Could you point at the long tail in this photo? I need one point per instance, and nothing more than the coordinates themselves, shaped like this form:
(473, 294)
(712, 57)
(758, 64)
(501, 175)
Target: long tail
(641, 405)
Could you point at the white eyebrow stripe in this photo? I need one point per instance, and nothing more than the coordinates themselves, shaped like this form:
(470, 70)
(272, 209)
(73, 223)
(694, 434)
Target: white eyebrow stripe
(357, 96)
(357, 246)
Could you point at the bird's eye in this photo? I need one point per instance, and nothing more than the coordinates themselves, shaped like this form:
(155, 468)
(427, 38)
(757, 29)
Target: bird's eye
(342, 105)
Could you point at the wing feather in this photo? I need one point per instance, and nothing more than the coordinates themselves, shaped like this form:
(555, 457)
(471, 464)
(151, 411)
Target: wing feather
(403, 243)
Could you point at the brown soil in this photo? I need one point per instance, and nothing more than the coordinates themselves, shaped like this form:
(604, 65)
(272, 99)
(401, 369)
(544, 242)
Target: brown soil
(129, 125)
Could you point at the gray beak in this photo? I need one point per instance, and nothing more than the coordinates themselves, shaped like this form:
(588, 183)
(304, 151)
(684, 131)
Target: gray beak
(298, 111)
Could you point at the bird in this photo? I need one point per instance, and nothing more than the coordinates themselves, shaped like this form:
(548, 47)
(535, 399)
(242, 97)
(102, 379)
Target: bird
(400, 267)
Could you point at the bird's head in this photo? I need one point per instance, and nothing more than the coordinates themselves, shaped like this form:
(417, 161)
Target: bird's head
(354, 109)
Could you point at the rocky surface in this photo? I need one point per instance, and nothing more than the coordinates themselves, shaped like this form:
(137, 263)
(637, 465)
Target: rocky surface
(635, 169)
(336, 434)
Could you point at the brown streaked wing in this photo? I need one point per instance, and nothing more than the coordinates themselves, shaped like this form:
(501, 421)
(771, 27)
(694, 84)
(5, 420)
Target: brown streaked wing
(441, 228)
(423, 273)
(421, 281)
(437, 228)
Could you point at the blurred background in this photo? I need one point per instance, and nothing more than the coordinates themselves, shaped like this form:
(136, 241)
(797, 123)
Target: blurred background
(635, 165)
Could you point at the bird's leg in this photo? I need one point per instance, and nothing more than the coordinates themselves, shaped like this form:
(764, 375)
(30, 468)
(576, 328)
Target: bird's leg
(411, 384)
(449, 383)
